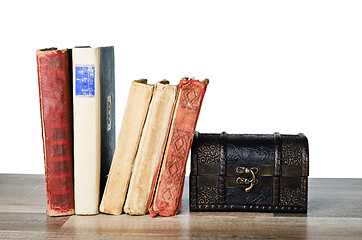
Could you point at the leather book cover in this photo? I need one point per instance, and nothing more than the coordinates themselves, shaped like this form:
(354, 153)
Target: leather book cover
(56, 118)
(168, 185)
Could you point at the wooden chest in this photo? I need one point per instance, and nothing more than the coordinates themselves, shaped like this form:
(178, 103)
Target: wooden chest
(249, 172)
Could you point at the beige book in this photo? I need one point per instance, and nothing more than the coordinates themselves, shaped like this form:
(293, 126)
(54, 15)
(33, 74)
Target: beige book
(151, 148)
(86, 106)
(134, 117)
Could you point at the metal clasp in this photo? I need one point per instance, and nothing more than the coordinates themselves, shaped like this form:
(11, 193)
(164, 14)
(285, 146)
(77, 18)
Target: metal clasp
(244, 181)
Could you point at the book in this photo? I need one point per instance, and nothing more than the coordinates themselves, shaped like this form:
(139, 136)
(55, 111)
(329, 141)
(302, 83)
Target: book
(55, 97)
(151, 147)
(168, 186)
(134, 118)
(94, 124)
(108, 115)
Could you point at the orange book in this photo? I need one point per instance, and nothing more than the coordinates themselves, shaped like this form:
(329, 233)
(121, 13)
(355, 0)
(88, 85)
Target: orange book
(168, 184)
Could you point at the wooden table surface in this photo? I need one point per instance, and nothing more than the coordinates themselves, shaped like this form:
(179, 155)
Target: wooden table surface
(334, 212)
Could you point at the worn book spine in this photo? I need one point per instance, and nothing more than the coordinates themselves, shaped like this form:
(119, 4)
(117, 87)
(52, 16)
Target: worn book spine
(93, 90)
(86, 100)
(55, 93)
(166, 200)
(151, 148)
(134, 118)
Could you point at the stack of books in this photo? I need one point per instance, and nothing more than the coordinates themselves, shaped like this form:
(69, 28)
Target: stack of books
(85, 172)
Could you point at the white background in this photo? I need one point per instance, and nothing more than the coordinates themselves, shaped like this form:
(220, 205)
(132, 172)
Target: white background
(287, 66)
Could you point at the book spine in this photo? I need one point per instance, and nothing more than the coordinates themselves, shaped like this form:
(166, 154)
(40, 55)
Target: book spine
(135, 114)
(169, 186)
(56, 119)
(108, 121)
(151, 148)
(87, 133)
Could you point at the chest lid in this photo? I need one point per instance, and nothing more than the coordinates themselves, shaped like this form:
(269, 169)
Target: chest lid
(239, 154)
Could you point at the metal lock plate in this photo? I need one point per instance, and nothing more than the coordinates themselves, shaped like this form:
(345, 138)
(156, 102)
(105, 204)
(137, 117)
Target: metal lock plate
(245, 181)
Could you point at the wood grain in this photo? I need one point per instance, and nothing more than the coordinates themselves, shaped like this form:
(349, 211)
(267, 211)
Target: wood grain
(334, 212)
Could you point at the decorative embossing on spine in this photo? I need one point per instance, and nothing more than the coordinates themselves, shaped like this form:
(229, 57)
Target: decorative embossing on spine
(59, 133)
(222, 167)
(56, 116)
(191, 97)
(174, 163)
(180, 143)
(167, 200)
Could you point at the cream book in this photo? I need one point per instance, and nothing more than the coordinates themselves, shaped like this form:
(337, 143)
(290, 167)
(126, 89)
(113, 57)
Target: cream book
(151, 148)
(134, 118)
(94, 124)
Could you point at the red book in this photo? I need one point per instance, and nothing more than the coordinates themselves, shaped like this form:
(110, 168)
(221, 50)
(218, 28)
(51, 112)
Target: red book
(57, 129)
(166, 200)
